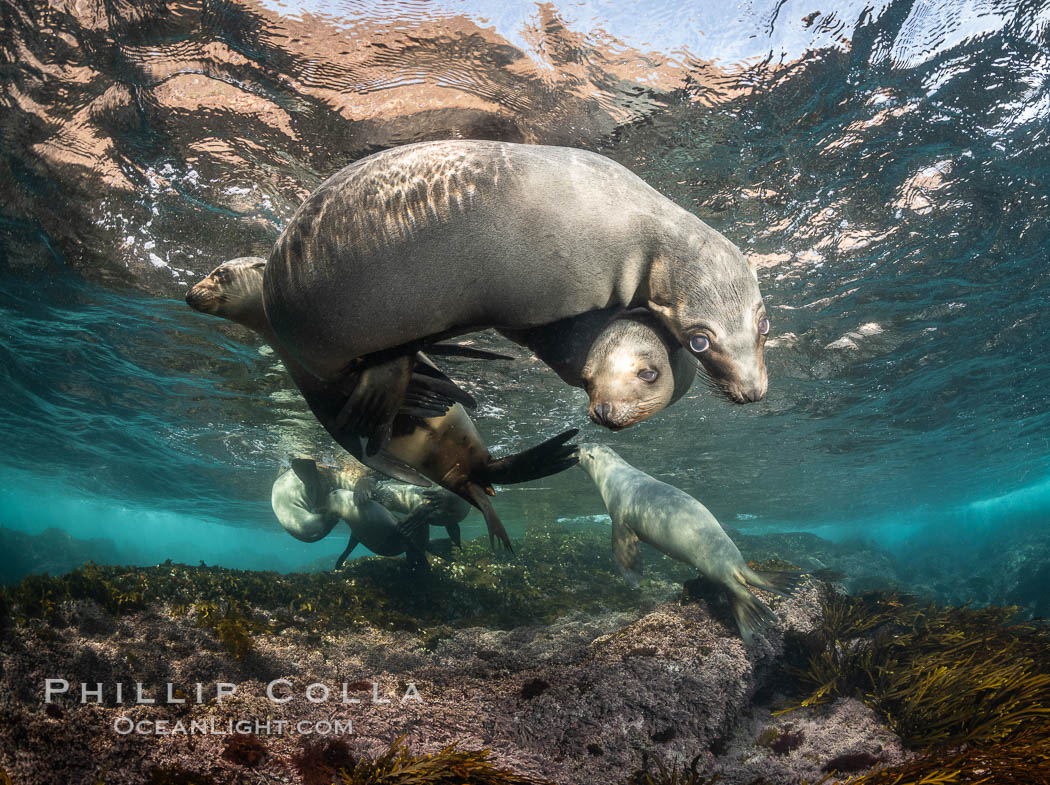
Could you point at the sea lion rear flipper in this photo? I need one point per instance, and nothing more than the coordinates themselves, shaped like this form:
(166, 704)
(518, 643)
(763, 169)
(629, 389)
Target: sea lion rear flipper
(626, 553)
(782, 582)
(543, 460)
(354, 542)
(314, 489)
(751, 614)
(476, 496)
(454, 535)
(441, 548)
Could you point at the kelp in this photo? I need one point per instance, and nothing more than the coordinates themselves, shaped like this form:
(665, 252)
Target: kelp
(450, 766)
(938, 675)
(968, 688)
(1022, 760)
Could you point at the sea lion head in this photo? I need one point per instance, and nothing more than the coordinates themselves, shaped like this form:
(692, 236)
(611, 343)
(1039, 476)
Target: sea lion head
(591, 452)
(715, 310)
(233, 290)
(628, 373)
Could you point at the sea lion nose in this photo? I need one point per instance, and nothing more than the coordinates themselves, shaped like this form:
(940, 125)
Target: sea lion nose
(193, 297)
(756, 391)
(601, 414)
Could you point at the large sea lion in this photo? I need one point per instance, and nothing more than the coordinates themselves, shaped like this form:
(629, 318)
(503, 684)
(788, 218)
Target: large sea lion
(628, 363)
(647, 510)
(446, 449)
(430, 240)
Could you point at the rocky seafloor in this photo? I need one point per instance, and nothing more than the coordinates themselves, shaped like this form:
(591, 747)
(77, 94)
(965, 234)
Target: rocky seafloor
(546, 658)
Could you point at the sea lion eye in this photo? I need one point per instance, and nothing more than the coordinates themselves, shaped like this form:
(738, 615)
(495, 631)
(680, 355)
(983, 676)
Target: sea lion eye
(648, 375)
(699, 343)
(763, 326)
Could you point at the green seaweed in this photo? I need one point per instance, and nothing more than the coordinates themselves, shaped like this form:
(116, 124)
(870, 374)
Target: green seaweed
(450, 766)
(938, 675)
(556, 570)
(968, 688)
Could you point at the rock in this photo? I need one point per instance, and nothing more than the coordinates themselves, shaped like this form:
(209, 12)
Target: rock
(798, 746)
(569, 701)
(53, 551)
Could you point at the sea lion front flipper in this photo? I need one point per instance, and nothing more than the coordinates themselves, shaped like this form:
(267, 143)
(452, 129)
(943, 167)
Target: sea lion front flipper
(354, 542)
(476, 496)
(428, 379)
(626, 553)
(313, 486)
(394, 468)
(415, 521)
(751, 614)
(543, 460)
(374, 396)
(421, 518)
(454, 350)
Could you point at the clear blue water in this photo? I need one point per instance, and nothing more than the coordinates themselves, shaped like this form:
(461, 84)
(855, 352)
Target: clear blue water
(886, 165)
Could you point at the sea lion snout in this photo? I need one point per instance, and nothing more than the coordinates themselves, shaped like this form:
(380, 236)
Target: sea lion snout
(614, 417)
(739, 382)
(202, 296)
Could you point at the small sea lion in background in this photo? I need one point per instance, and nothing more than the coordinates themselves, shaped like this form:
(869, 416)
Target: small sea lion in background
(426, 241)
(424, 507)
(647, 510)
(446, 449)
(626, 361)
(311, 499)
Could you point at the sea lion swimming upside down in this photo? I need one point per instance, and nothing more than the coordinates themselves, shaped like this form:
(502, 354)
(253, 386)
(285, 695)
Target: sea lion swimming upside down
(446, 449)
(430, 240)
(311, 499)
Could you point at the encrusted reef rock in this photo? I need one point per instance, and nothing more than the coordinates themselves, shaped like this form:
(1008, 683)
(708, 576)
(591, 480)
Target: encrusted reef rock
(567, 702)
(626, 679)
(805, 745)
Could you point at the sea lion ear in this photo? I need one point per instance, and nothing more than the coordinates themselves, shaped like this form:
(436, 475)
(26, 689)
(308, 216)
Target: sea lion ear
(664, 311)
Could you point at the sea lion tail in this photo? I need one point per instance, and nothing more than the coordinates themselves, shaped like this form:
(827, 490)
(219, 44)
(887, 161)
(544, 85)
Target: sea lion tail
(751, 614)
(476, 496)
(543, 460)
(782, 582)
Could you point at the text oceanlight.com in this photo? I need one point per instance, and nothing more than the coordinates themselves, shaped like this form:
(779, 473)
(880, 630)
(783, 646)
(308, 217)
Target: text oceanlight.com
(215, 727)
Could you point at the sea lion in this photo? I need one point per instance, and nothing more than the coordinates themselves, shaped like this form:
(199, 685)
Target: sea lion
(647, 510)
(310, 499)
(446, 449)
(430, 240)
(423, 507)
(628, 363)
